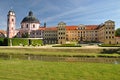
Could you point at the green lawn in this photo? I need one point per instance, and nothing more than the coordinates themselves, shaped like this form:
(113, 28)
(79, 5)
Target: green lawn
(57, 52)
(37, 70)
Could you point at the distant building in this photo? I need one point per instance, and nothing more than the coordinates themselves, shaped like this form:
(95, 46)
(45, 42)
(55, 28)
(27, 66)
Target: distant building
(30, 27)
(11, 24)
(61, 34)
(71, 33)
(50, 35)
(104, 33)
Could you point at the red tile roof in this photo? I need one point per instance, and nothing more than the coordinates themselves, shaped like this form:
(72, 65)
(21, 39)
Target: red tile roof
(2, 31)
(91, 27)
(71, 27)
(51, 28)
(41, 28)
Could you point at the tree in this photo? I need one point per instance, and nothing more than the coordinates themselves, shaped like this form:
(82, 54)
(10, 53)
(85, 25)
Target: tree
(117, 32)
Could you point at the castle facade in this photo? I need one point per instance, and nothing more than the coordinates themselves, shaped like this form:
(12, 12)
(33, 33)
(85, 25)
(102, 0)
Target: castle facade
(62, 33)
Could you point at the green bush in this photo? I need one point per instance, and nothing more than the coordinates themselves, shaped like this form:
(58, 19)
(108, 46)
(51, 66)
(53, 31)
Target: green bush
(1, 41)
(6, 42)
(19, 41)
(67, 45)
(35, 42)
(109, 45)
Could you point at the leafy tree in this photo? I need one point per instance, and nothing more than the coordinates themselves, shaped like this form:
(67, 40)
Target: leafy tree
(117, 32)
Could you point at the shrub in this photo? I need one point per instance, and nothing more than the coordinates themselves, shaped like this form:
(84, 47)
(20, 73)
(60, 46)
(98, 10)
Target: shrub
(19, 41)
(6, 42)
(67, 45)
(35, 42)
(1, 41)
(109, 45)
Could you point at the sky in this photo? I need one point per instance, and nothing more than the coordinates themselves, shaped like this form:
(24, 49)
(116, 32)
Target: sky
(72, 12)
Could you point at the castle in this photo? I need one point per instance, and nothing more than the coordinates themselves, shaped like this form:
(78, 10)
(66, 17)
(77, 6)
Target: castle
(62, 33)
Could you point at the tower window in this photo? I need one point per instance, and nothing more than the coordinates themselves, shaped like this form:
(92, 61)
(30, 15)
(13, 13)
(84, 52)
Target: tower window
(12, 20)
(12, 28)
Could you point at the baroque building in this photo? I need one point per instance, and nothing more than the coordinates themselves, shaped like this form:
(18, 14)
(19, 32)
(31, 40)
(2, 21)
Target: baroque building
(61, 34)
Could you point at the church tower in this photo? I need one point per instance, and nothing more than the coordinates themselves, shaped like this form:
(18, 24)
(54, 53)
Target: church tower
(11, 21)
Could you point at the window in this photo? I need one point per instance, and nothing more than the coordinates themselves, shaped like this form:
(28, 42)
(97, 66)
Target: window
(106, 37)
(112, 32)
(12, 20)
(106, 32)
(21, 26)
(109, 37)
(27, 26)
(113, 37)
(12, 28)
(109, 32)
(33, 26)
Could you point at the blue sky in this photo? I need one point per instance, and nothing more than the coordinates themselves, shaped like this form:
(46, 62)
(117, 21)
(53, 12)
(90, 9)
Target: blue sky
(72, 12)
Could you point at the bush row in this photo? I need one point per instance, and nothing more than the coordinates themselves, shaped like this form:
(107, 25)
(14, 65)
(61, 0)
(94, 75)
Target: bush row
(67, 45)
(19, 42)
(1, 41)
(109, 45)
(35, 42)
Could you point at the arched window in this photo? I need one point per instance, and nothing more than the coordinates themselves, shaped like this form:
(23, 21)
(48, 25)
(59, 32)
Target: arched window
(21, 26)
(33, 26)
(12, 20)
(27, 26)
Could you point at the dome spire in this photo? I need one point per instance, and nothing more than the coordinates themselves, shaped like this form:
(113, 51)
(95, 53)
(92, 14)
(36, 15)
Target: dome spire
(30, 13)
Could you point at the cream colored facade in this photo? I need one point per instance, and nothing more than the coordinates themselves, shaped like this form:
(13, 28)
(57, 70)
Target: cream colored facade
(106, 32)
(61, 33)
(71, 33)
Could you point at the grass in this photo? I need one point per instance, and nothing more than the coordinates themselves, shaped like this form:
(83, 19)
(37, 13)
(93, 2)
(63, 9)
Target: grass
(57, 52)
(46, 51)
(37, 70)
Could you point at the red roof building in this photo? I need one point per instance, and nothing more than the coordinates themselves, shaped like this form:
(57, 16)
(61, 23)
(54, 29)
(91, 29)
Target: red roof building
(91, 27)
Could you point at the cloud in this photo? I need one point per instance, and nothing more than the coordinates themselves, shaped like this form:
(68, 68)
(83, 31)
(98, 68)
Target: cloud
(33, 3)
(94, 12)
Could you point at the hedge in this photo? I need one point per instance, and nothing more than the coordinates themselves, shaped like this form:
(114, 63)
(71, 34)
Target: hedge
(67, 45)
(20, 42)
(109, 45)
(35, 42)
(1, 41)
